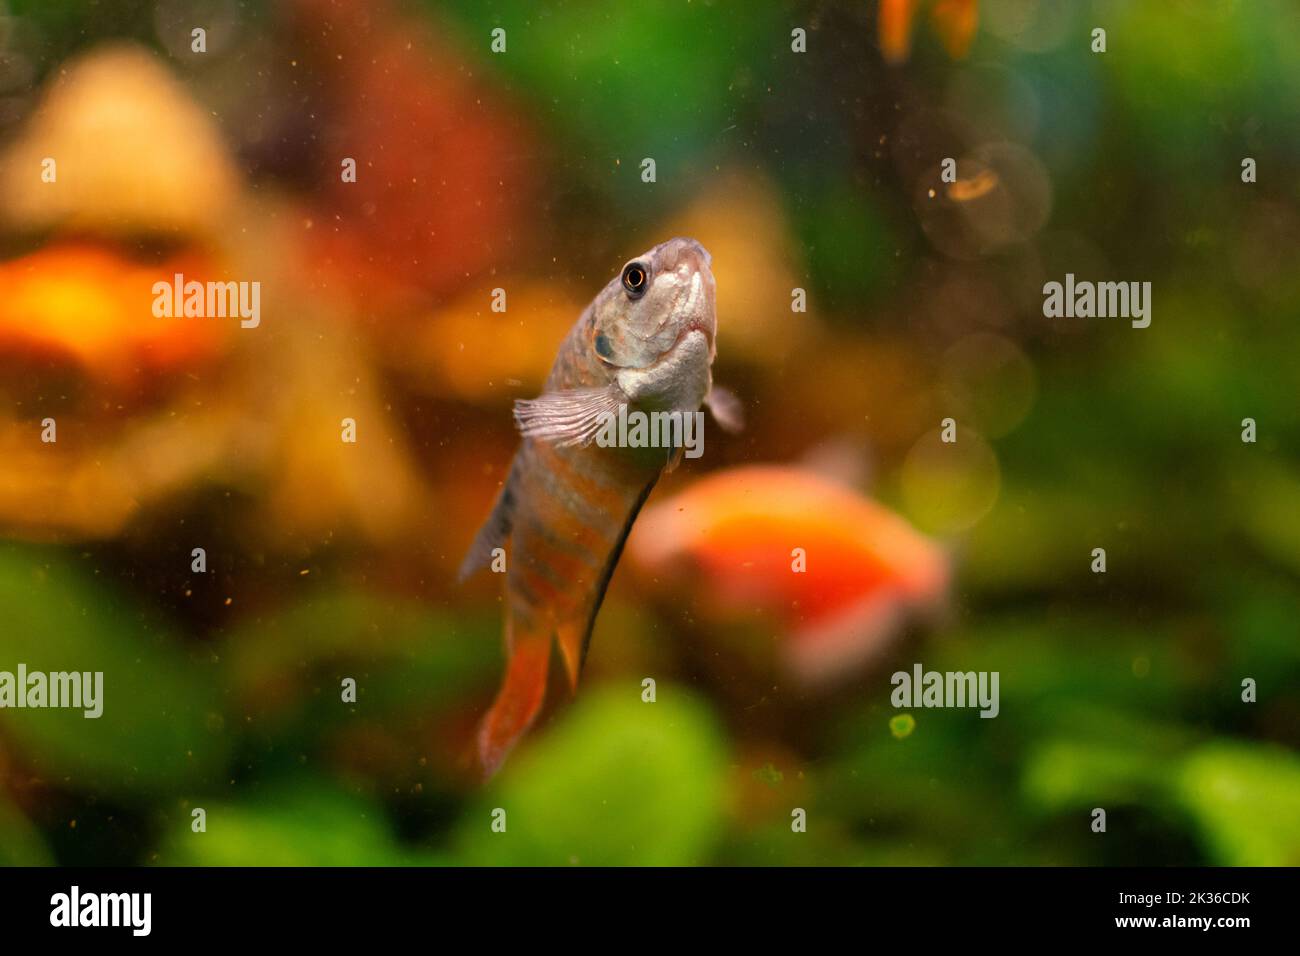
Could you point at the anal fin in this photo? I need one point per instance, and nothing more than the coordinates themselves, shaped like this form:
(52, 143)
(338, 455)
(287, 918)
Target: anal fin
(520, 698)
(572, 638)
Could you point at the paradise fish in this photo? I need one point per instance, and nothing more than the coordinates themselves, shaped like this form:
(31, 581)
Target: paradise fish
(646, 342)
(858, 569)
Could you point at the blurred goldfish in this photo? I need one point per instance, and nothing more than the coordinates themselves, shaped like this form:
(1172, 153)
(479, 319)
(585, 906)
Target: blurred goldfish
(90, 304)
(646, 341)
(741, 536)
(953, 20)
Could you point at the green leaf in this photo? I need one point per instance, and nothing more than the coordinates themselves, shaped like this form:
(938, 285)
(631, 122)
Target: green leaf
(1065, 774)
(616, 782)
(287, 668)
(162, 726)
(308, 825)
(622, 82)
(20, 842)
(1246, 801)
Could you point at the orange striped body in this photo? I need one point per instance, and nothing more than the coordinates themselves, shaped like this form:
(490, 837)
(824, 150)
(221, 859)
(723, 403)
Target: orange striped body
(566, 509)
(572, 508)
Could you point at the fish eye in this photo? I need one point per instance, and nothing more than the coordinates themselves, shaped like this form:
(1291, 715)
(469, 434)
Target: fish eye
(635, 279)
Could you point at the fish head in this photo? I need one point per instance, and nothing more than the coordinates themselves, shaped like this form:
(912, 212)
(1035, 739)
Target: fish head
(660, 300)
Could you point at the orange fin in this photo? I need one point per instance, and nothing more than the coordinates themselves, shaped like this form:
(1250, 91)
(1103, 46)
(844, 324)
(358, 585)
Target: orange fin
(896, 28)
(955, 22)
(519, 699)
(572, 639)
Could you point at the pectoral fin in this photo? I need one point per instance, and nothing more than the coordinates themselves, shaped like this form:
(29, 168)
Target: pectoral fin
(571, 417)
(727, 410)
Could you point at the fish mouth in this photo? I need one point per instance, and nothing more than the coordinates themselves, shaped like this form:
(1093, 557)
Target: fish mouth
(694, 304)
(693, 327)
(697, 326)
(676, 348)
(673, 350)
(690, 253)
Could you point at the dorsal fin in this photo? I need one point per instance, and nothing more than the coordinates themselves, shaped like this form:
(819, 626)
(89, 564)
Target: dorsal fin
(495, 529)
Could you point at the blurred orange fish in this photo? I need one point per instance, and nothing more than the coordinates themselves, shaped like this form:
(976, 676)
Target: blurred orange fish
(646, 343)
(953, 20)
(838, 570)
(90, 304)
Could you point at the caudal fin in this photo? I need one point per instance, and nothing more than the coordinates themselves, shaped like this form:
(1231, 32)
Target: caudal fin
(519, 699)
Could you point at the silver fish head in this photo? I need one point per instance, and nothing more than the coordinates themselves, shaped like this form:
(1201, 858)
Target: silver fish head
(661, 300)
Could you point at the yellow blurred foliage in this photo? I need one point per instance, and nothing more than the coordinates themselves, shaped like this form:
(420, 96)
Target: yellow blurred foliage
(470, 352)
(133, 153)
